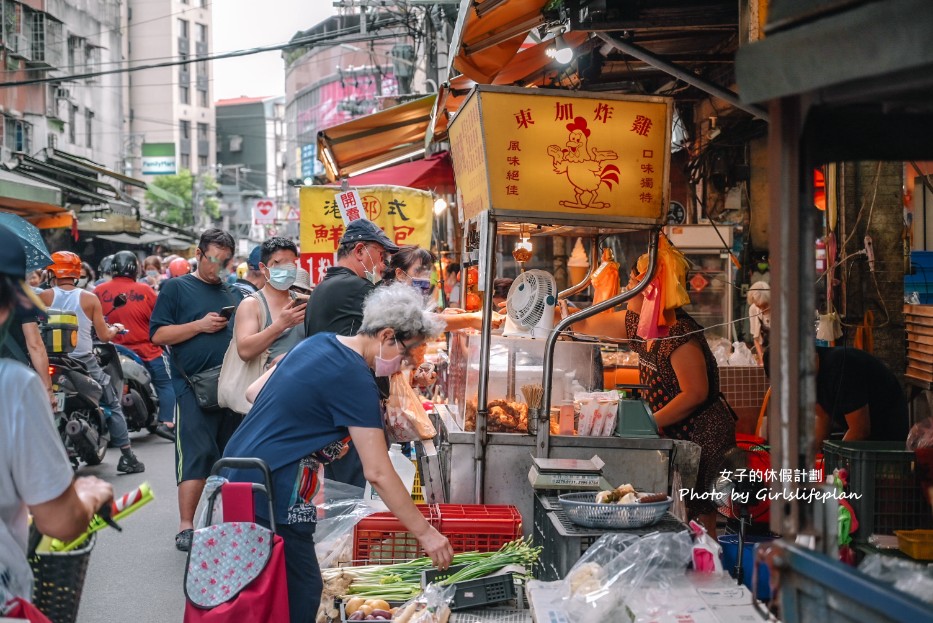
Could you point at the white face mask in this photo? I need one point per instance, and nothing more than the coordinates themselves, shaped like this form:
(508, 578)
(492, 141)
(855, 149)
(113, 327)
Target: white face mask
(81, 283)
(371, 275)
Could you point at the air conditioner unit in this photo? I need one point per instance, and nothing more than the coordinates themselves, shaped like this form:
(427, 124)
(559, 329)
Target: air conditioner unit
(5, 154)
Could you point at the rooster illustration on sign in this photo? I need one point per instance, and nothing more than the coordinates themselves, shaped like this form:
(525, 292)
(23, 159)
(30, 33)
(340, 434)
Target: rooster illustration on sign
(583, 166)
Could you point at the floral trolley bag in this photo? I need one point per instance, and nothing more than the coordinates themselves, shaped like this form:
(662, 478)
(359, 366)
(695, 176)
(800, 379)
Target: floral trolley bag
(236, 568)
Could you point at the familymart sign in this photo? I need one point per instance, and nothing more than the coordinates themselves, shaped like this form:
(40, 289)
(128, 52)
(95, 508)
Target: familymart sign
(159, 159)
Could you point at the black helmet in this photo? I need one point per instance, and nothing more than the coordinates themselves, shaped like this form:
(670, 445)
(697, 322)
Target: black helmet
(105, 266)
(124, 264)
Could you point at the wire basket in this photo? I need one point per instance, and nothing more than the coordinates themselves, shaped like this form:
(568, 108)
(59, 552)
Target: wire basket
(582, 511)
(59, 581)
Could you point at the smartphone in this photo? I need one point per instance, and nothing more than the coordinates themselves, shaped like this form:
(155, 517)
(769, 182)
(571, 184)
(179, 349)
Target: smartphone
(227, 312)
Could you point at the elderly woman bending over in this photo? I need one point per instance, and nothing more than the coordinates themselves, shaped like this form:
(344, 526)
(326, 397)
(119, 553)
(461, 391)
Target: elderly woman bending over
(307, 410)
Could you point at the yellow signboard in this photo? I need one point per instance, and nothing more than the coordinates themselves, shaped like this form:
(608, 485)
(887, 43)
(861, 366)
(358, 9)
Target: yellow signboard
(579, 156)
(405, 214)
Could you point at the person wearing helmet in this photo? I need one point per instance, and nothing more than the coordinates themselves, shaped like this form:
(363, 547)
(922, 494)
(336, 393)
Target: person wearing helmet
(178, 267)
(35, 475)
(104, 271)
(66, 270)
(140, 301)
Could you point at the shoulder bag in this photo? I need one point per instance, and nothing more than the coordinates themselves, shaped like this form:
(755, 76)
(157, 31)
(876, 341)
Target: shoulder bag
(237, 375)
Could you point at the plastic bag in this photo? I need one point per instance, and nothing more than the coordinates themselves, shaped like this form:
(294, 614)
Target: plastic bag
(618, 569)
(910, 577)
(339, 508)
(706, 551)
(742, 356)
(431, 606)
(921, 435)
(405, 418)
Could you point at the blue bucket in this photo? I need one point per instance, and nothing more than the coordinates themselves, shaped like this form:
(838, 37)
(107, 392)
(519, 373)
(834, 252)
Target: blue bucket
(730, 545)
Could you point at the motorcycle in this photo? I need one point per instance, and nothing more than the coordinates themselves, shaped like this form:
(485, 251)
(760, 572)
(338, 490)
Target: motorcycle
(79, 416)
(130, 380)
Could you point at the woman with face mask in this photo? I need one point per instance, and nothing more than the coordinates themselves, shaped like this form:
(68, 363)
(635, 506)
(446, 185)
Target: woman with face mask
(273, 318)
(87, 278)
(308, 408)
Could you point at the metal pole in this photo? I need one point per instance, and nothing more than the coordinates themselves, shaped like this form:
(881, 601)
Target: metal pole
(479, 441)
(543, 438)
(692, 79)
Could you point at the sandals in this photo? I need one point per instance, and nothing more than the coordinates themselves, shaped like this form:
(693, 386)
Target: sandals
(183, 540)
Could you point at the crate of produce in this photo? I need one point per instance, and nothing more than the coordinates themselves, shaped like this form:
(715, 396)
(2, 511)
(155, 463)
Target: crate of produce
(479, 527)
(886, 477)
(474, 593)
(918, 544)
(381, 537)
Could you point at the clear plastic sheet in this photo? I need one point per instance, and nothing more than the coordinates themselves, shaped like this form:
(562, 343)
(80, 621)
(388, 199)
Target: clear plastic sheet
(614, 571)
(906, 576)
(339, 508)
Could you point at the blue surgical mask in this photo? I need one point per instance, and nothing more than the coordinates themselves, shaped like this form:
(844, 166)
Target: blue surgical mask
(282, 277)
(152, 273)
(423, 284)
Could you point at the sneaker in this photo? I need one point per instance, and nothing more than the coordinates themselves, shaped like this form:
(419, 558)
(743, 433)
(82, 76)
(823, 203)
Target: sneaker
(129, 464)
(183, 540)
(165, 432)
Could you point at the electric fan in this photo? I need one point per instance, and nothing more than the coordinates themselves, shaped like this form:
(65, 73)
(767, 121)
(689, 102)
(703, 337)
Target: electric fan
(530, 305)
(736, 491)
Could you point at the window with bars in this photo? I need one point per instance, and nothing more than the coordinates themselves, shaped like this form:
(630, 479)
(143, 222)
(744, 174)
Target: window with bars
(17, 135)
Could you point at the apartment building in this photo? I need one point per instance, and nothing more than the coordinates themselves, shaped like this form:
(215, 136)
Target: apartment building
(250, 159)
(170, 109)
(61, 113)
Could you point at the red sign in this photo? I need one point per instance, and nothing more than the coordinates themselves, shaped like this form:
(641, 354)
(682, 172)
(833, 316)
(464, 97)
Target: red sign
(264, 212)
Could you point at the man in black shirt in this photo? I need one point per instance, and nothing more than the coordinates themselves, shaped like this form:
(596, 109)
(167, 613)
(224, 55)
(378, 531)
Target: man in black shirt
(336, 306)
(858, 394)
(187, 318)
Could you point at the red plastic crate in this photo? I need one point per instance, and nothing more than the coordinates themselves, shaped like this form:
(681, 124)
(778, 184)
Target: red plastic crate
(381, 537)
(479, 527)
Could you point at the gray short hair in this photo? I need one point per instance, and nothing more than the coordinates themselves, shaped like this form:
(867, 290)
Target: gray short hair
(401, 308)
(759, 294)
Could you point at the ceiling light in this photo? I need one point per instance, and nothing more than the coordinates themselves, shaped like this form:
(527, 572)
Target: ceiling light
(560, 51)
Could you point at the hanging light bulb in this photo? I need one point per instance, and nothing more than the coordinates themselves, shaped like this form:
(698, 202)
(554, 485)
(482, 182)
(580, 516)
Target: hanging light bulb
(522, 251)
(440, 204)
(560, 51)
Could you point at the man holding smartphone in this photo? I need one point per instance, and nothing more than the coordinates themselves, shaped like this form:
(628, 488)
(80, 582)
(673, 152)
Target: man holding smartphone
(187, 317)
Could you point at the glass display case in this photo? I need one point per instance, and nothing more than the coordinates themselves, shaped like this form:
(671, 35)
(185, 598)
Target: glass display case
(513, 362)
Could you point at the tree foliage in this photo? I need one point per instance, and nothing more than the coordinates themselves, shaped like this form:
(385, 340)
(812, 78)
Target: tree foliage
(184, 186)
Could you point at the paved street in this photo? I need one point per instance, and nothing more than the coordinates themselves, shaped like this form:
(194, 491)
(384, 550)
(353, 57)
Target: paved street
(137, 575)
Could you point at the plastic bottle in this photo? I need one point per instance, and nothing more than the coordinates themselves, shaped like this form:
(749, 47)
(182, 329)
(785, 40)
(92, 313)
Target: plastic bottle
(405, 470)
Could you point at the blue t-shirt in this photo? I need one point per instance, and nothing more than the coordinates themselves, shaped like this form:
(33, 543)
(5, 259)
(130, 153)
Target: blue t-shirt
(185, 299)
(302, 413)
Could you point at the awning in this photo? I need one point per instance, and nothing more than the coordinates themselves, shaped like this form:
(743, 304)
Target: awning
(124, 238)
(527, 67)
(54, 155)
(75, 177)
(375, 140)
(40, 204)
(434, 173)
(489, 33)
